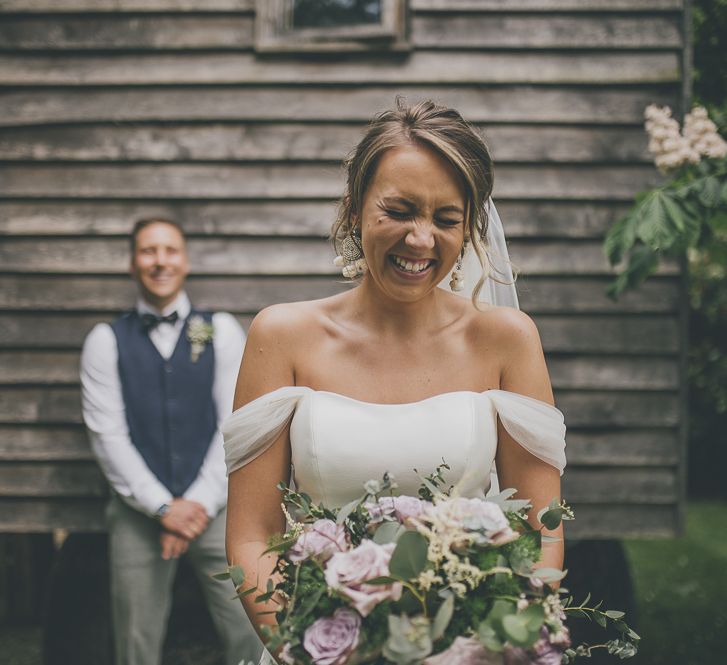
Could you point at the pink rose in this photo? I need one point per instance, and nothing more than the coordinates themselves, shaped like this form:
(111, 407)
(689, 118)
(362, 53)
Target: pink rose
(347, 572)
(403, 508)
(465, 651)
(321, 540)
(331, 640)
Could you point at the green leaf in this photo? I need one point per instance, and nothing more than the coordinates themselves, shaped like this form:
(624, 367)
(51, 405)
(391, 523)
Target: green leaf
(488, 637)
(534, 616)
(615, 614)
(620, 239)
(552, 518)
(516, 629)
(221, 576)
(309, 602)
(600, 619)
(653, 224)
(549, 575)
(710, 194)
(347, 510)
(377, 581)
(443, 617)
(409, 556)
(242, 594)
(237, 575)
(388, 532)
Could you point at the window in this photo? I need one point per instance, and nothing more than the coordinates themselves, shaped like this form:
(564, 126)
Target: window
(330, 25)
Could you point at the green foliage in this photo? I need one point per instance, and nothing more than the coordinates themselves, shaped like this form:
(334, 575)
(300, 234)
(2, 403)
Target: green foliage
(709, 19)
(409, 556)
(666, 222)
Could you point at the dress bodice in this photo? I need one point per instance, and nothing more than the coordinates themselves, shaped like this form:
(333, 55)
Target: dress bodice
(338, 443)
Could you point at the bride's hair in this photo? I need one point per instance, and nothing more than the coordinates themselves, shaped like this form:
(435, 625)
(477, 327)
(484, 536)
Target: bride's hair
(446, 132)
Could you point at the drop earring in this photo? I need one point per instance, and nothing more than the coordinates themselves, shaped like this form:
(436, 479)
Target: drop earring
(456, 283)
(351, 260)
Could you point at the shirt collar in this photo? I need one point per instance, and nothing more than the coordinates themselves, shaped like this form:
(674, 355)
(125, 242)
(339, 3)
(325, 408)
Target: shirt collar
(181, 305)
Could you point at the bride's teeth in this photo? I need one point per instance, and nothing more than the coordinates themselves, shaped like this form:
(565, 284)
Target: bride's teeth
(409, 266)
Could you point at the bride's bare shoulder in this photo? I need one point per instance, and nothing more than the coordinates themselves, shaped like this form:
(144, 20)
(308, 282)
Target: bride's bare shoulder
(507, 327)
(293, 320)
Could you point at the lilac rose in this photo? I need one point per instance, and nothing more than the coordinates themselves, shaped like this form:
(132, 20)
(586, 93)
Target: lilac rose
(347, 572)
(403, 508)
(465, 651)
(320, 540)
(331, 640)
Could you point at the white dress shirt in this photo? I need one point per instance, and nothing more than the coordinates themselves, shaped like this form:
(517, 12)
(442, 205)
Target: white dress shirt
(105, 415)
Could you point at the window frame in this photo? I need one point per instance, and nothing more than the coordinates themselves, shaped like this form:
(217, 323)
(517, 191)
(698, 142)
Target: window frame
(273, 32)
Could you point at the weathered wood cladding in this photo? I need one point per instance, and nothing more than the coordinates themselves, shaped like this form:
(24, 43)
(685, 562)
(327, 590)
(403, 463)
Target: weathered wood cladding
(116, 109)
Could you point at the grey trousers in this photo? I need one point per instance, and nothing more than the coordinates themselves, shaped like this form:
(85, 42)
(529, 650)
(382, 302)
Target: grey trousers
(141, 589)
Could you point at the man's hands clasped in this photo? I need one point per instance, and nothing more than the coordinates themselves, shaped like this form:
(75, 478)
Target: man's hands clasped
(183, 522)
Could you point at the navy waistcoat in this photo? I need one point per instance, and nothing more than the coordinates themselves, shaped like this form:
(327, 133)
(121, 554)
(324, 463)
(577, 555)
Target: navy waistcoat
(169, 404)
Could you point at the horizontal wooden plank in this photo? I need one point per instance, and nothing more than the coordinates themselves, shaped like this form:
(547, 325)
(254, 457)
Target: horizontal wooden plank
(69, 6)
(259, 256)
(538, 295)
(236, 32)
(543, 5)
(507, 103)
(87, 515)
(113, 32)
(541, 219)
(60, 405)
(47, 479)
(267, 142)
(613, 373)
(635, 521)
(45, 515)
(626, 409)
(419, 68)
(548, 32)
(306, 181)
(617, 485)
(643, 335)
(44, 444)
(655, 447)
(573, 334)
(62, 367)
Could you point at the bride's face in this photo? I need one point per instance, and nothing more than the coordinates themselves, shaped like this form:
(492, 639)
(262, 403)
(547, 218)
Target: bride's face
(412, 222)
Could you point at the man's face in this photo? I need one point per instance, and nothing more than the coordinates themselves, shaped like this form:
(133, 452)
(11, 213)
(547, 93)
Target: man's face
(159, 264)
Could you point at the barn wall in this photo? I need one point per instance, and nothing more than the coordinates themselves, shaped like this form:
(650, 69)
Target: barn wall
(115, 109)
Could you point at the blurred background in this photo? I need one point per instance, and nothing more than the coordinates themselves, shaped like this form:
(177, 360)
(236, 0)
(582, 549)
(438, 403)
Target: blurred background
(232, 117)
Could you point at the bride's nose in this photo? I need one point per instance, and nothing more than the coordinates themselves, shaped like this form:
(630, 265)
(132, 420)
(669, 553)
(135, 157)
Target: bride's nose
(420, 236)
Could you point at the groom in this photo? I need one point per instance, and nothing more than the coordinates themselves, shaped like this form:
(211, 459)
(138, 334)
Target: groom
(155, 384)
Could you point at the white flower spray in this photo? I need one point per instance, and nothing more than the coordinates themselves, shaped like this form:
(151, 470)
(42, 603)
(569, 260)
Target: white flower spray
(672, 149)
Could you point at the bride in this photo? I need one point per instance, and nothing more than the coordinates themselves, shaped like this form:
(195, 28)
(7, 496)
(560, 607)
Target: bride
(395, 374)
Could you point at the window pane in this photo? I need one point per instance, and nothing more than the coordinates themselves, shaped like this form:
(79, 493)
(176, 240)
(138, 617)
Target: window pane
(332, 13)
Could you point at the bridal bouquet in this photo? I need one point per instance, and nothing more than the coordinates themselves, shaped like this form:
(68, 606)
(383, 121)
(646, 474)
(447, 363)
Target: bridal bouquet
(435, 579)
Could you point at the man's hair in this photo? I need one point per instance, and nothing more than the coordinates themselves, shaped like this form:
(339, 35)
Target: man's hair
(141, 224)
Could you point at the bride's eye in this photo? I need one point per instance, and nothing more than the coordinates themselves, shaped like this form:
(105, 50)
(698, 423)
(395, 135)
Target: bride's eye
(398, 214)
(449, 222)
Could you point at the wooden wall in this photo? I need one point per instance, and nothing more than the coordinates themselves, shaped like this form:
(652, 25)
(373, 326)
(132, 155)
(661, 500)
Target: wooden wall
(113, 109)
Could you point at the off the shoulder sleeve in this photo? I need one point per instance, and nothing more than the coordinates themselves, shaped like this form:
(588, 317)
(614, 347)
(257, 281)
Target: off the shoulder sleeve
(253, 428)
(537, 426)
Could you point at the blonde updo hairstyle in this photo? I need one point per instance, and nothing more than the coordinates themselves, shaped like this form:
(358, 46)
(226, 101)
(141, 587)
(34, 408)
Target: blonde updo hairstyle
(450, 136)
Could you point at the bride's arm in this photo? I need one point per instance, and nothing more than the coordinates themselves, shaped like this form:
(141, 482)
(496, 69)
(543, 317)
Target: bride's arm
(524, 371)
(253, 505)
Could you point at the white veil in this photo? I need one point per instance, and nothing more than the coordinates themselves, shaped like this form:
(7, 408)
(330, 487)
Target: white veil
(500, 290)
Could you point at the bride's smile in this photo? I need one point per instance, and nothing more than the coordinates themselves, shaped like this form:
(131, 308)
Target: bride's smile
(412, 222)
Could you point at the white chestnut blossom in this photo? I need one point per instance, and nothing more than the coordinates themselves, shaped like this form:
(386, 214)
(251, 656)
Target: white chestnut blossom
(702, 134)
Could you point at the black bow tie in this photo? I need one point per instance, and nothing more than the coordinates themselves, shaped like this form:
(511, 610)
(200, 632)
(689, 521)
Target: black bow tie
(150, 321)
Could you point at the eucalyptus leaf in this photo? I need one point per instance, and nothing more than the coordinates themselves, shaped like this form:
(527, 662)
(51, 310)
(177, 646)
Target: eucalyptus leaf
(487, 635)
(443, 617)
(600, 619)
(347, 510)
(552, 518)
(516, 629)
(410, 555)
(237, 575)
(549, 575)
(388, 532)
(615, 614)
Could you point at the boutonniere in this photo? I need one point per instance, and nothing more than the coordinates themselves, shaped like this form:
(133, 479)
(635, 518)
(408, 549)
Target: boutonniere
(199, 333)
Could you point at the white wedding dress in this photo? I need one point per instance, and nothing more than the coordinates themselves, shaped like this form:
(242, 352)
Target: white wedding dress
(338, 443)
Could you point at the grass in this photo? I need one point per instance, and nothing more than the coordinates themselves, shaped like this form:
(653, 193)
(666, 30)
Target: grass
(681, 591)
